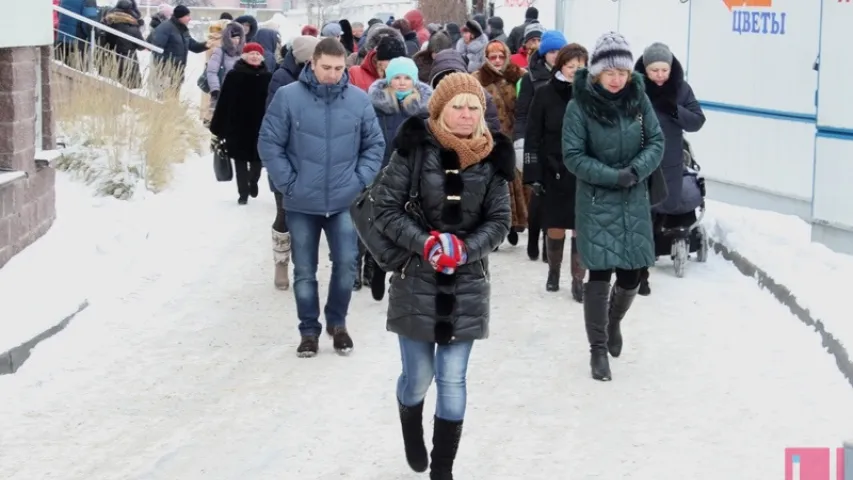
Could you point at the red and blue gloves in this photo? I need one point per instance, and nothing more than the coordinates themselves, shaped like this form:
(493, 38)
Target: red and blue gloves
(445, 252)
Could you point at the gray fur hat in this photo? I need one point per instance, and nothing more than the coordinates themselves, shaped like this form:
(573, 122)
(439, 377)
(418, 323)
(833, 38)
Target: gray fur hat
(657, 52)
(611, 52)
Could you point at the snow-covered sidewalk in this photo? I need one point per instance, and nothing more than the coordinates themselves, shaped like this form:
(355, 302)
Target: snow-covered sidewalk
(184, 367)
(781, 246)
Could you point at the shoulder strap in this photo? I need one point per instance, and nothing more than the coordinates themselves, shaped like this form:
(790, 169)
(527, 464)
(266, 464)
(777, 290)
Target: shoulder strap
(415, 179)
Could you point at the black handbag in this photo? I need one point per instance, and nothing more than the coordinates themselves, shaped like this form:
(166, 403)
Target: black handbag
(388, 255)
(656, 182)
(221, 163)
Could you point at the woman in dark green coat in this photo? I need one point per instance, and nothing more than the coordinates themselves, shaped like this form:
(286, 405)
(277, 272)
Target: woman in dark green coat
(612, 142)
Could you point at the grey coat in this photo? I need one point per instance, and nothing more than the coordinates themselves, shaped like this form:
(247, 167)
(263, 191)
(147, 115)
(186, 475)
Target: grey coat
(475, 51)
(425, 305)
(678, 112)
(226, 55)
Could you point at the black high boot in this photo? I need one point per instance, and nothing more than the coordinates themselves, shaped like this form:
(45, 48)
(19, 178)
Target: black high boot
(645, 290)
(596, 300)
(544, 247)
(554, 247)
(578, 273)
(620, 302)
(533, 243)
(412, 420)
(445, 443)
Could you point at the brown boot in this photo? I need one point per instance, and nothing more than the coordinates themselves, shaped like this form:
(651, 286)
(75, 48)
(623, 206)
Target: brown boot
(281, 255)
(578, 273)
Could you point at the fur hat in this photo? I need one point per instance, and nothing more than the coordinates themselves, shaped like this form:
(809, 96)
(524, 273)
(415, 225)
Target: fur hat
(611, 52)
(165, 10)
(473, 27)
(452, 85)
(657, 52)
(390, 48)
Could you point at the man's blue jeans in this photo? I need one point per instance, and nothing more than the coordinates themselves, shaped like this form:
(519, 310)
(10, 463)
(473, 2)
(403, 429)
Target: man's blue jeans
(447, 363)
(304, 244)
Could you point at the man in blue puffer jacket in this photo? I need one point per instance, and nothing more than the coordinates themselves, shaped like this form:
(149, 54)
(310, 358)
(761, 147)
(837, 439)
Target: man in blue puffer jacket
(74, 35)
(322, 146)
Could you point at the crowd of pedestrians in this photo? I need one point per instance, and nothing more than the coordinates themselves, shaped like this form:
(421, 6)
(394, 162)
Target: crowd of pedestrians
(418, 149)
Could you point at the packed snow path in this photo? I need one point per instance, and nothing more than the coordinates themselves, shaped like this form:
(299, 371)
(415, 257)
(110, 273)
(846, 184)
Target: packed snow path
(192, 374)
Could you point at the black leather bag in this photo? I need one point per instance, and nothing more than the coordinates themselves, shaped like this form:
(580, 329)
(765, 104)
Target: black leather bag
(656, 182)
(221, 163)
(388, 255)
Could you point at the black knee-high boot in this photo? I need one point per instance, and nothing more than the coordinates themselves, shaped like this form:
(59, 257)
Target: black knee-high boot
(534, 227)
(412, 421)
(554, 247)
(596, 301)
(445, 445)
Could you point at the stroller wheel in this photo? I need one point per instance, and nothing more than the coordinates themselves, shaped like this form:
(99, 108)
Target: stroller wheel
(702, 253)
(679, 256)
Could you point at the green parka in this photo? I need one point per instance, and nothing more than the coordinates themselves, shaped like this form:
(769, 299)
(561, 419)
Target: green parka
(600, 136)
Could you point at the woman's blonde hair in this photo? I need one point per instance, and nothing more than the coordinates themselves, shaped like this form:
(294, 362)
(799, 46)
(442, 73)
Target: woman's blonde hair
(413, 97)
(471, 101)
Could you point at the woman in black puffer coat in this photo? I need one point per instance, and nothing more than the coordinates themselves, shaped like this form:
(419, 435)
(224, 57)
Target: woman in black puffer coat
(439, 298)
(544, 170)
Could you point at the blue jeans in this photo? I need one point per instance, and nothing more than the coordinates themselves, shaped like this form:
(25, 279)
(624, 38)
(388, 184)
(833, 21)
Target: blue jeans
(304, 245)
(447, 363)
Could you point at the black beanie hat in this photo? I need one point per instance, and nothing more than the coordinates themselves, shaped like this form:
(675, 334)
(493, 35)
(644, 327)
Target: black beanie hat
(180, 11)
(532, 13)
(390, 48)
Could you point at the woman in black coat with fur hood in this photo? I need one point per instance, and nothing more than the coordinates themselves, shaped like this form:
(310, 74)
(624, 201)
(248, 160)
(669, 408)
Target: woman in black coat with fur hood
(439, 295)
(545, 171)
(678, 112)
(238, 116)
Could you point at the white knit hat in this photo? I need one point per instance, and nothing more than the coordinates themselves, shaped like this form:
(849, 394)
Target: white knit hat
(611, 52)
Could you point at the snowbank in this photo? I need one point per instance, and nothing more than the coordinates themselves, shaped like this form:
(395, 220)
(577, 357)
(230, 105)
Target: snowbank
(781, 246)
(97, 245)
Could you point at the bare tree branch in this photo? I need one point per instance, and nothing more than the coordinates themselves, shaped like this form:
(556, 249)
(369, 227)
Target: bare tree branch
(443, 11)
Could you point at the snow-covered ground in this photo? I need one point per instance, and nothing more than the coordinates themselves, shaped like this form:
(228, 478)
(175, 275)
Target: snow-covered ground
(183, 367)
(781, 246)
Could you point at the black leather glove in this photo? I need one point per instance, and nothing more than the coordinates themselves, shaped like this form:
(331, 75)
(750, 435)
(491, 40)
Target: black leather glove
(627, 178)
(667, 106)
(537, 188)
(214, 95)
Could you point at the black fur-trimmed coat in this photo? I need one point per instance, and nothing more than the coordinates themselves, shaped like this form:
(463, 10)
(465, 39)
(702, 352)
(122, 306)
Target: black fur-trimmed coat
(473, 204)
(240, 110)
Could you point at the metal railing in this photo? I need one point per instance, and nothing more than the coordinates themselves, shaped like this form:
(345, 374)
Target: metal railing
(91, 53)
(91, 42)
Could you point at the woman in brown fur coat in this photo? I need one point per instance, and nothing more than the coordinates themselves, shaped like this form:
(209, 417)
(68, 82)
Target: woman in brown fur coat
(499, 77)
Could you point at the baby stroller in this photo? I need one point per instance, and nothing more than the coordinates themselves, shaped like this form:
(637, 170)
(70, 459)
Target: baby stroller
(679, 231)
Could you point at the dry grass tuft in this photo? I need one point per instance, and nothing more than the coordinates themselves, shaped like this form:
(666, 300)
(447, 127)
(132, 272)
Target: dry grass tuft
(121, 137)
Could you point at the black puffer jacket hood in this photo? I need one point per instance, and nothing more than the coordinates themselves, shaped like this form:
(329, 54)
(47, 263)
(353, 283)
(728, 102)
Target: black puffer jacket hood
(472, 203)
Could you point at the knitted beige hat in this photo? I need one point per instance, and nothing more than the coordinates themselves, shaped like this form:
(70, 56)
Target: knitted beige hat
(452, 85)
